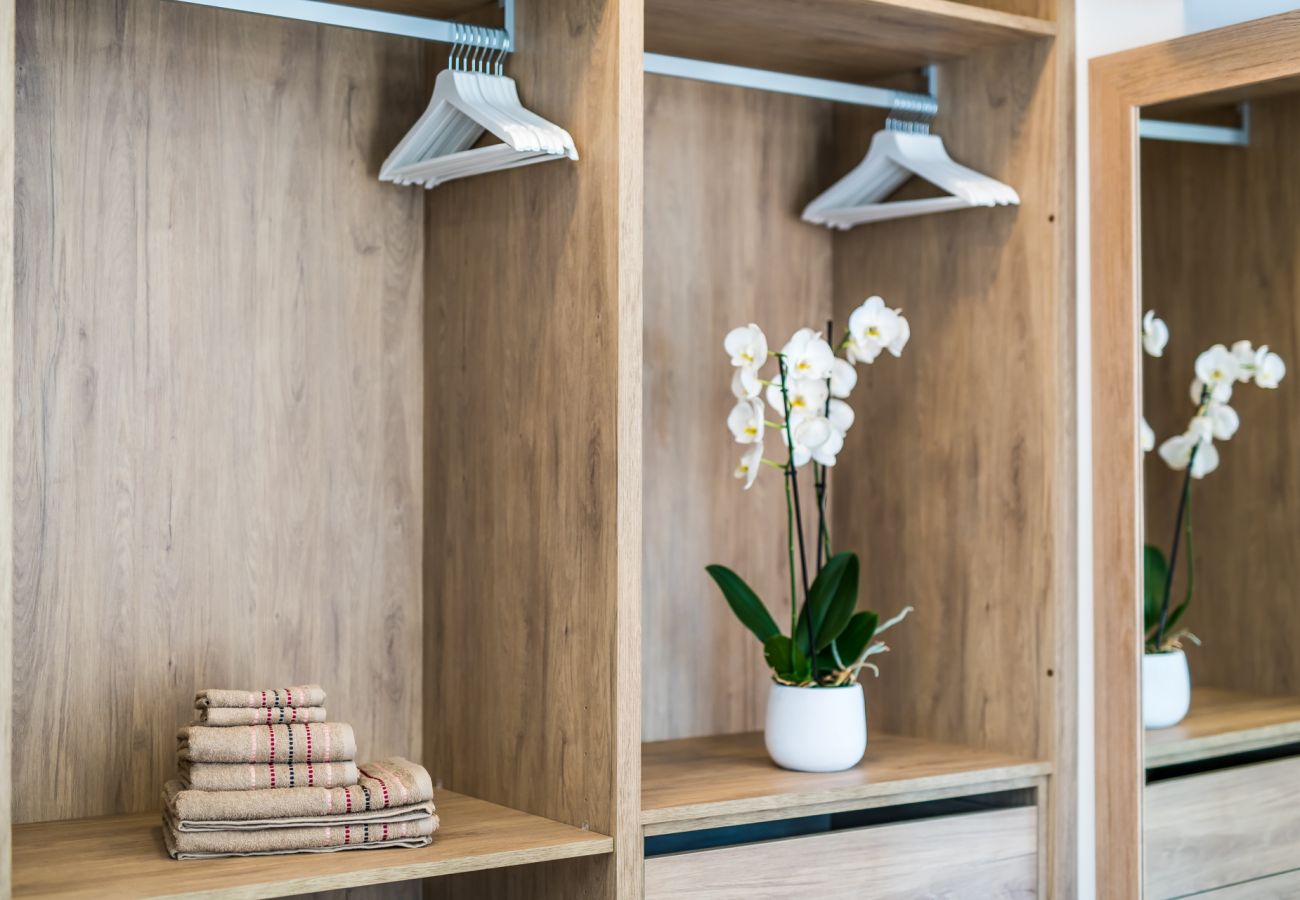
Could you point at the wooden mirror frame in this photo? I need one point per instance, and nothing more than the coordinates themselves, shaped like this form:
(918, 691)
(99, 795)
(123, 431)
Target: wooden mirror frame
(1223, 60)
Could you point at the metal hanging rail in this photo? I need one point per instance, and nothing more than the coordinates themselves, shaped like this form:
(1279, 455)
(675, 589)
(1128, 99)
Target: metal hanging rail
(359, 19)
(1192, 133)
(923, 105)
(322, 12)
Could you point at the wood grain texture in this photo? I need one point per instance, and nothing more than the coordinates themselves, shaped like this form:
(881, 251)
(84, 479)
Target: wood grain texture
(1221, 723)
(1224, 60)
(1273, 887)
(433, 9)
(218, 386)
(7, 139)
(532, 524)
(123, 856)
(732, 776)
(850, 40)
(956, 485)
(726, 170)
(1220, 828)
(1220, 241)
(990, 855)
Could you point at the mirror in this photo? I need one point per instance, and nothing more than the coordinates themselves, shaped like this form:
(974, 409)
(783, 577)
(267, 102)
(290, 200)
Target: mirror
(1220, 296)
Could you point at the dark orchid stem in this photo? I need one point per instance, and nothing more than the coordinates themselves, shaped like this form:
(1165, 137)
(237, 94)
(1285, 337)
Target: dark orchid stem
(1173, 551)
(798, 512)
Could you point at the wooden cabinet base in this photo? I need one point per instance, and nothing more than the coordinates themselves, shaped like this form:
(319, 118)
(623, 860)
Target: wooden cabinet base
(988, 855)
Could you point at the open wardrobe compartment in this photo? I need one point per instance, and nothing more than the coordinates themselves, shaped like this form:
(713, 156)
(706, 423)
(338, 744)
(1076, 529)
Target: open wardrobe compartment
(454, 442)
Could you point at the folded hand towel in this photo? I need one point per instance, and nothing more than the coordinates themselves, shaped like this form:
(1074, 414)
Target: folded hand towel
(252, 776)
(304, 839)
(322, 742)
(392, 789)
(303, 695)
(248, 715)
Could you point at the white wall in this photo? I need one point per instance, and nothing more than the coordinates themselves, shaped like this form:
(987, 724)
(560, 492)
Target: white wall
(1107, 26)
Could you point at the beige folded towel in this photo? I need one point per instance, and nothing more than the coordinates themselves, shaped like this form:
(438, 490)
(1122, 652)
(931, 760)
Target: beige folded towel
(247, 715)
(392, 789)
(254, 776)
(303, 695)
(321, 742)
(305, 839)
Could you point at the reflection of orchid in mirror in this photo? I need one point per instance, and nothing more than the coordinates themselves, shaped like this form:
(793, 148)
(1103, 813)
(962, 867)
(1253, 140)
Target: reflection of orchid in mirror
(1217, 371)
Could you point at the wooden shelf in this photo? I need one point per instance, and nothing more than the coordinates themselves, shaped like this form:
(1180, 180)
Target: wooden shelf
(123, 856)
(1221, 723)
(848, 40)
(729, 780)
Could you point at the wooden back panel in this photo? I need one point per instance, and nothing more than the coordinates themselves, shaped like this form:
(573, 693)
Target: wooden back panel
(1220, 242)
(218, 386)
(7, 47)
(727, 172)
(956, 484)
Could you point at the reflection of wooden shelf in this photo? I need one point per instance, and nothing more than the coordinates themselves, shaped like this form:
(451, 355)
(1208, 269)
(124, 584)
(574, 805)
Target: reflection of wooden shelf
(846, 39)
(123, 856)
(1225, 722)
(728, 780)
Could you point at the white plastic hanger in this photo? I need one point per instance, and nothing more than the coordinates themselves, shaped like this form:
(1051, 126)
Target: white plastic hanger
(903, 150)
(469, 98)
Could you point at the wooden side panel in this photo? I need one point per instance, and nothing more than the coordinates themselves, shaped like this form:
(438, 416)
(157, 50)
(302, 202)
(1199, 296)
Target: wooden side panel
(218, 386)
(532, 457)
(1220, 828)
(989, 855)
(727, 171)
(1221, 261)
(7, 68)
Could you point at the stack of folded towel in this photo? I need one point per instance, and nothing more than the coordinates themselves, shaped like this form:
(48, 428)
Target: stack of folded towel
(262, 773)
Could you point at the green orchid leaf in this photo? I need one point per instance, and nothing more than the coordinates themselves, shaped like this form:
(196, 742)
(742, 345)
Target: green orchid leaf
(831, 599)
(855, 637)
(749, 609)
(1155, 572)
(787, 661)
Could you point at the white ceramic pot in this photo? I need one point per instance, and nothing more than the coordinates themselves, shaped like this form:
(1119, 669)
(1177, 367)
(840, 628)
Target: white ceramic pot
(1166, 688)
(816, 729)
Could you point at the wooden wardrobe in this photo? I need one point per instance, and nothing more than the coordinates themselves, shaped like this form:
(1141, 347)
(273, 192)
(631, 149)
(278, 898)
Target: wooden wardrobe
(459, 455)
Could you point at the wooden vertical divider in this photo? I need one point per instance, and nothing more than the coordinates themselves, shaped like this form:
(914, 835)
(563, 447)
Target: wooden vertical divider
(532, 450)
(7, 71)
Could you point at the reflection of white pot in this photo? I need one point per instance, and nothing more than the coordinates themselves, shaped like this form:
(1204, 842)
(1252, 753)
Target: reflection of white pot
(816, 729)
(1166, 688)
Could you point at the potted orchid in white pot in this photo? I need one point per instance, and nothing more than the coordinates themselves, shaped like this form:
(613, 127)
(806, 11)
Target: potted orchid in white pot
(816, 714)
(1166, 681)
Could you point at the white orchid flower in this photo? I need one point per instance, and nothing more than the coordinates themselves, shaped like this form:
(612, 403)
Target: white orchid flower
(844, 378)
(873, 327)
(746, 421)
(840, 415)
(1220, 393)
(1244, 353)
(808, 433)
(750, 463)
(1269, 368)
(1155, 334)
(1223, 420)
(745, 384)
(1177, 453)
(747, 346)
(1218, 366)
(1148, 438)
(807, 355)
(807, 396)
(825, 452)
(900, 340)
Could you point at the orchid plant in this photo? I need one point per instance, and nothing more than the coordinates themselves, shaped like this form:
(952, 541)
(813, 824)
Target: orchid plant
(1194, 453)
(806, 404)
